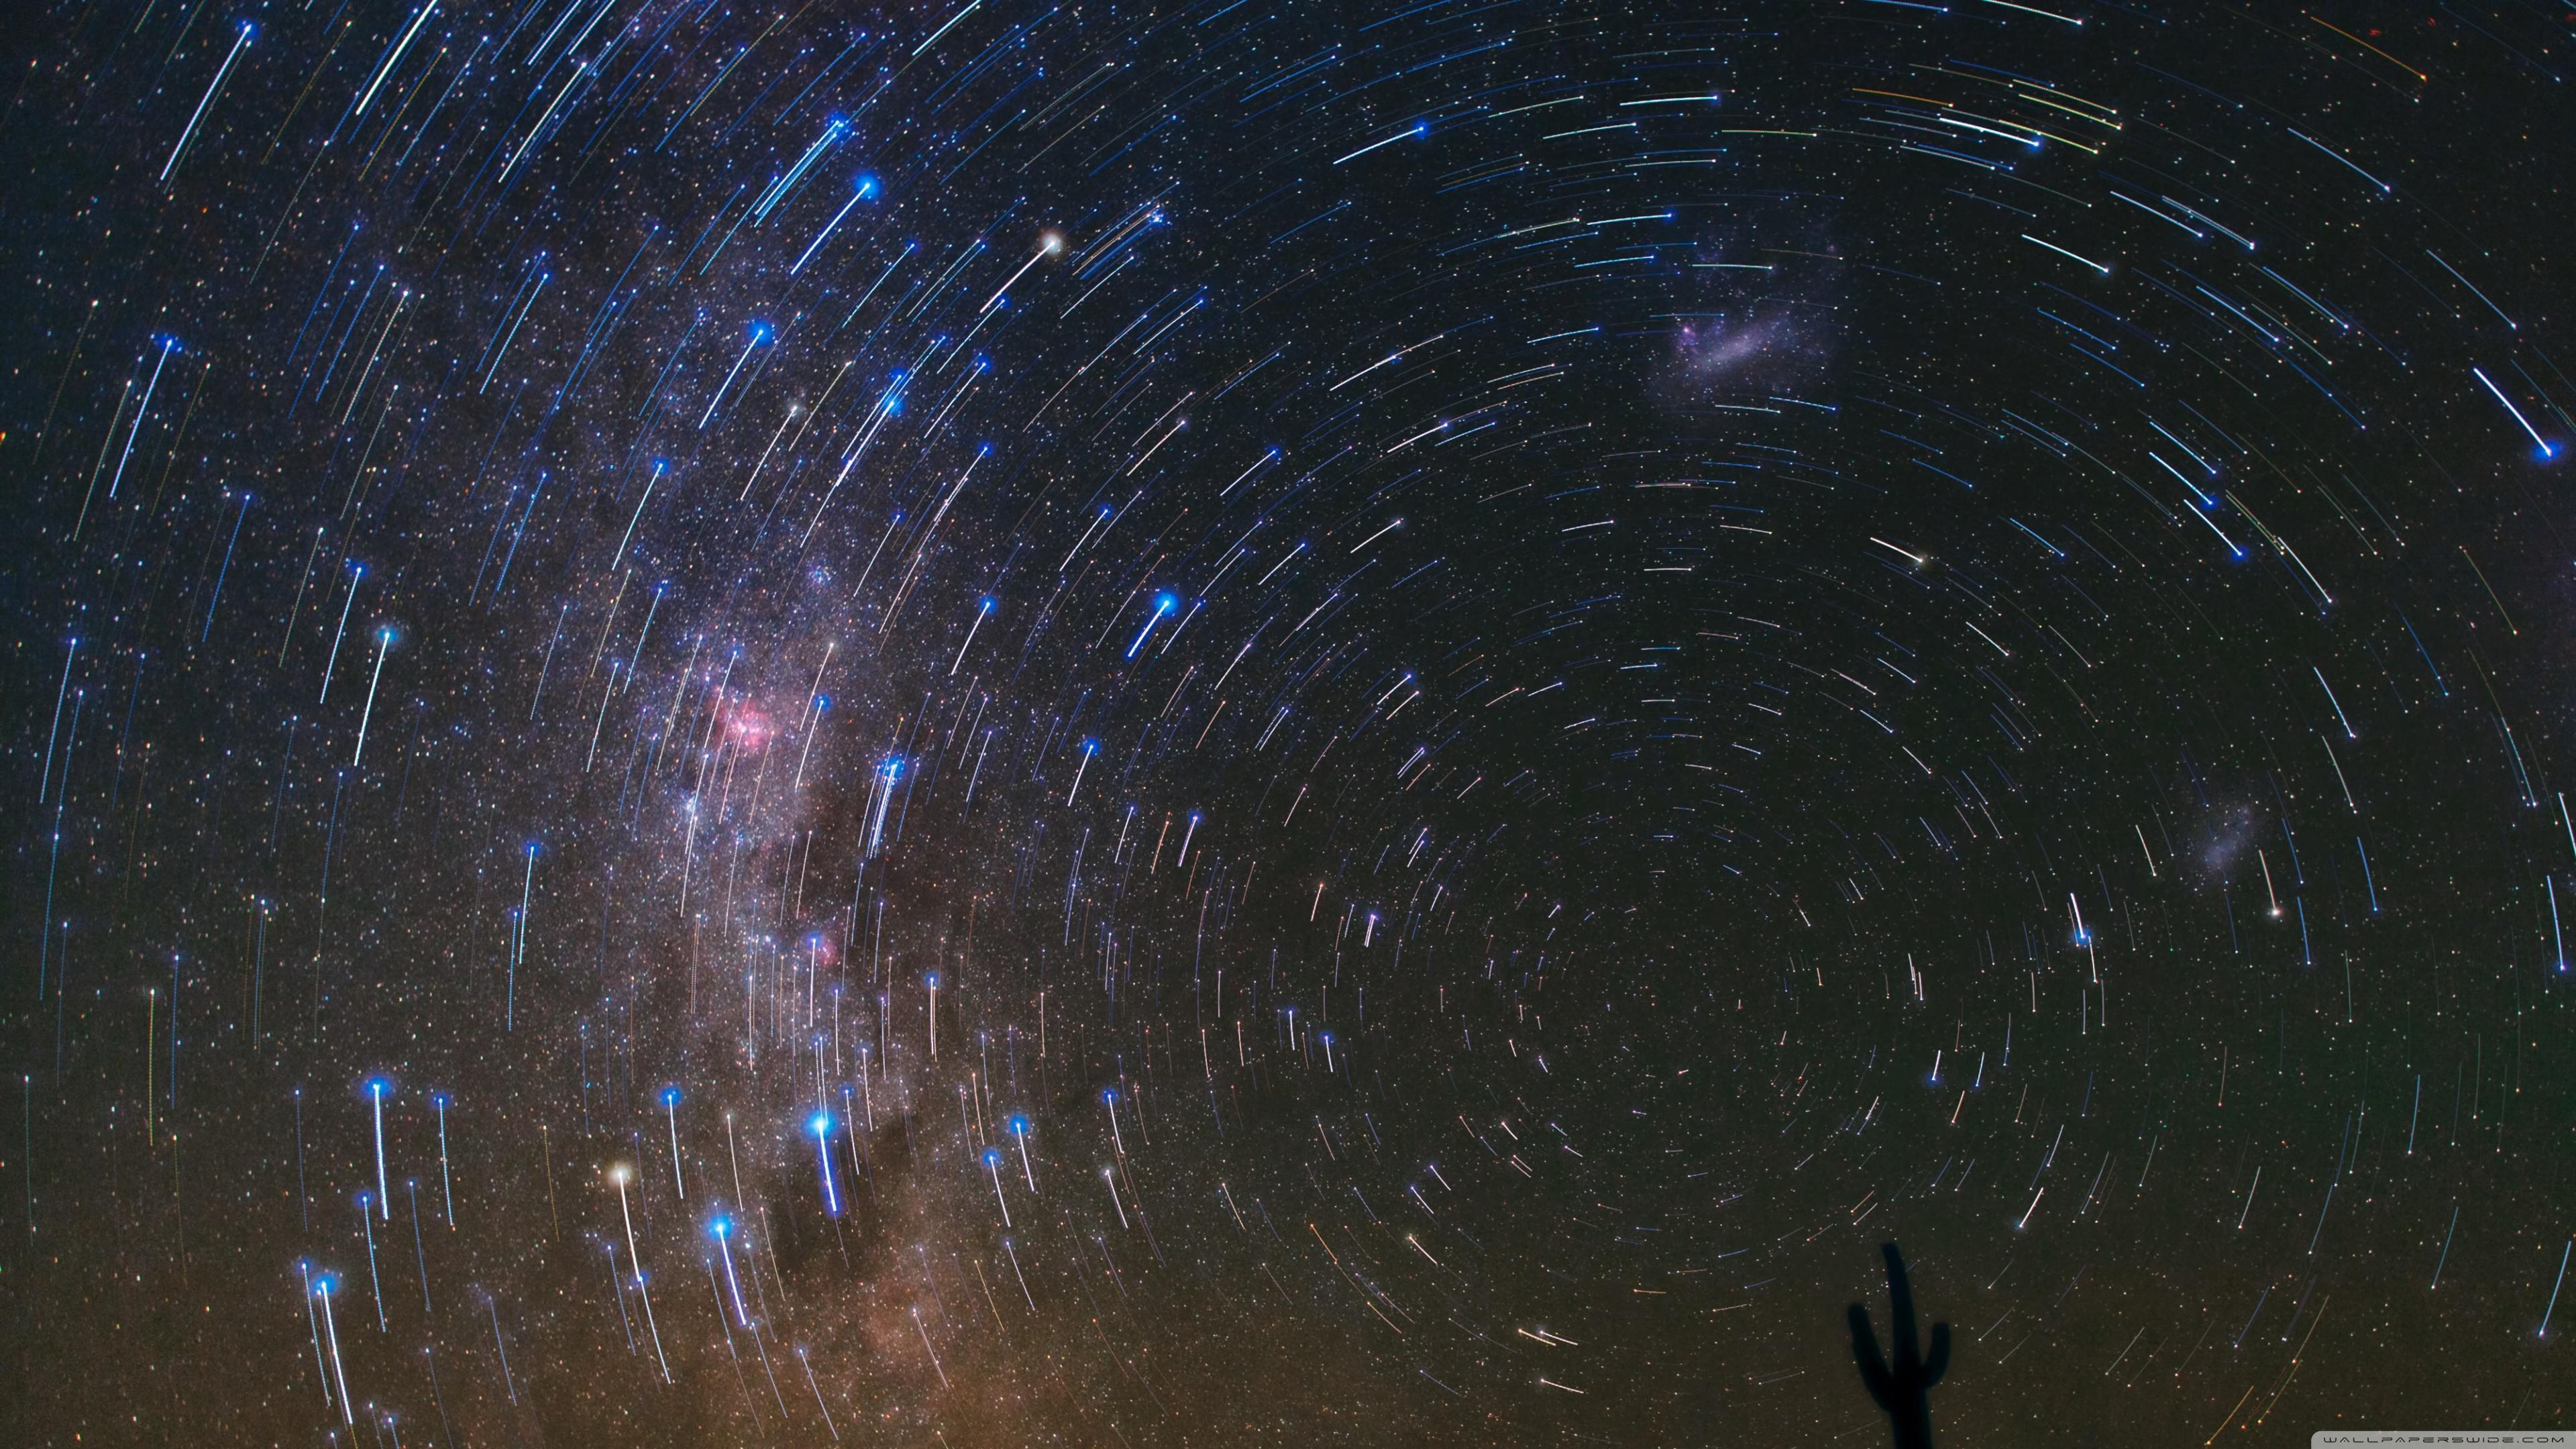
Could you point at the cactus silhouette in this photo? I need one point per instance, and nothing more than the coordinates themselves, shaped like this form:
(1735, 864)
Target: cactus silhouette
(1904, 1389)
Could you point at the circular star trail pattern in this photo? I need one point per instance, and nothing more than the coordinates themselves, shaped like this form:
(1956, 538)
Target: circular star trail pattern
(1246, 723)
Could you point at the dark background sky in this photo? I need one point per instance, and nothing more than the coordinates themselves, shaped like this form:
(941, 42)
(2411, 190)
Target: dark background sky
(1589, 656)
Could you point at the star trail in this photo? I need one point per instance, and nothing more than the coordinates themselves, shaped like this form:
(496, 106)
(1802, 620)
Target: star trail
(1132, 724)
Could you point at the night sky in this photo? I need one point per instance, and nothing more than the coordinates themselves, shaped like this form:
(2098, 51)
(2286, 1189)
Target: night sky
(1105, 724)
